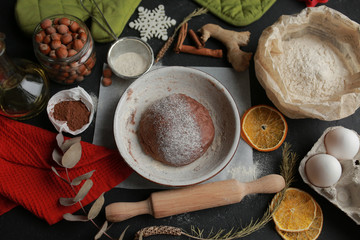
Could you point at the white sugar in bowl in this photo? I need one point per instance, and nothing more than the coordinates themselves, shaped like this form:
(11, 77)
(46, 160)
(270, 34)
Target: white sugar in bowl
(323, 170)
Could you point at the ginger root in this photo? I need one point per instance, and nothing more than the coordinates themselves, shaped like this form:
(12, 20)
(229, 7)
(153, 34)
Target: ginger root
(233, 41)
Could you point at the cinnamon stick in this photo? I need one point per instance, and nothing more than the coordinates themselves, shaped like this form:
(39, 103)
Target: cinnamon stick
(196, 39)
(181, 37)
(167, 44)
(216, 53)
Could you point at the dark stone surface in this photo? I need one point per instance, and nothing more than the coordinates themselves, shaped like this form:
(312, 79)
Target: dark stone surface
(20, 224)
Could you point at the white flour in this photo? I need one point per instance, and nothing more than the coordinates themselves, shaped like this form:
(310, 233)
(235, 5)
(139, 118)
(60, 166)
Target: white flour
(130, 64)
(311, 68)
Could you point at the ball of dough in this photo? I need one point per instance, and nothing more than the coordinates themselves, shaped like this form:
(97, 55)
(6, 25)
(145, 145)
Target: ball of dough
(176, 130)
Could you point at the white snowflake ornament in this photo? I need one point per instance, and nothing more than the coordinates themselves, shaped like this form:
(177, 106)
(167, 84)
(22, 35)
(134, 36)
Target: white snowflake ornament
(152, 23)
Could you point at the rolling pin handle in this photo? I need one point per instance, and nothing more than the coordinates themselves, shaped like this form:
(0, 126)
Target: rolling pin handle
(117, 212)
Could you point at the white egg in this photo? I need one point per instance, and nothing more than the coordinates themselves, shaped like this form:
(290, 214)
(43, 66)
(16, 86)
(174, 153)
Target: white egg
(323, 170)
(342, 143)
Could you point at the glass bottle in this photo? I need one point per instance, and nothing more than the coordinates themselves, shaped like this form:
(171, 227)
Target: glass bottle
(24, 88)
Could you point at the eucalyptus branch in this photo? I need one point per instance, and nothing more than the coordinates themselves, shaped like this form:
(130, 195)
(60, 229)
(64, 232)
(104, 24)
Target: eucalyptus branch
(68, 156)
(69, 180)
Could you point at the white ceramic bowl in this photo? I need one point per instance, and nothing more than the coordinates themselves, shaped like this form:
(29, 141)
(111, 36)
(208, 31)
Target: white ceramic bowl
(202, 87)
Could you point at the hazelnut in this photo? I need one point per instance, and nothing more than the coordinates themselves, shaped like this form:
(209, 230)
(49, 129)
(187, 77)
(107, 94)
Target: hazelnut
(80, 78)
(55, 36)
(106, 81)
(69, 46)
(90, 63)
(74, 35)
(62, 29)
(83, 37)
(56, 66)
(47, 39)
(73, 77)
(64, 21)
(77, 44)
(61, 52)
(45, 23)
(107, 72)
(64, 74)
(81, 69)
(50, 30)
(39, 37)
(87, 72)
(52, 54)
(55, 44)
(60, 78)
(44, 48)
(42, 33)
(71, 52)
(64, 68)
(72, 73)
(74, 26)
(56, 21)
(74, 64)
(66, 38)
(69, 81)
(81, 30)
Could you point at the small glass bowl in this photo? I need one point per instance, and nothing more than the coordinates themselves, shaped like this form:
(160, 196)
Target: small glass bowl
(65, 70)
(130, 57)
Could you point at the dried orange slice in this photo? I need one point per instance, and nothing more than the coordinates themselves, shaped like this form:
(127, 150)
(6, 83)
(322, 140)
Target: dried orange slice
(311, 234)
(264, 128)
(296, 212)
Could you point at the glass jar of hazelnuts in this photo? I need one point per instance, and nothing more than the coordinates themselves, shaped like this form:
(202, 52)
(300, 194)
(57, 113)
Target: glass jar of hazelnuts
(64, 47)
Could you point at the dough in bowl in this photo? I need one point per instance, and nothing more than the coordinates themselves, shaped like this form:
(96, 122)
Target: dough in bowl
(176, 130)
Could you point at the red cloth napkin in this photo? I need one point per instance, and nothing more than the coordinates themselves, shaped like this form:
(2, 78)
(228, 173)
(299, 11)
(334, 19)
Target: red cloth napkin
(26, 177)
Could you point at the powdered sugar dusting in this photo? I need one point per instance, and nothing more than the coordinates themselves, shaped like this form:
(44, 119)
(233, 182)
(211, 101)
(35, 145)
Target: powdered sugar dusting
(179, 134)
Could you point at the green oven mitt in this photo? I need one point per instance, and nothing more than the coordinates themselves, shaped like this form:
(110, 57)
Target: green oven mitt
(29, 13)
(237, 12)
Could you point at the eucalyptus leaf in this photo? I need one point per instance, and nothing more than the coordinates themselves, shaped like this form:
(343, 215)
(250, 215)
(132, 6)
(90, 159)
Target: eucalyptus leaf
(72, 156)
(101, 231)
(75, 218)
(55, 171)
(76, 181)
(67, 201)
(59, 139)
(68, 143)
(96, 207)
(123, 233)
(85, 188)
(57, 174)
(57, 157)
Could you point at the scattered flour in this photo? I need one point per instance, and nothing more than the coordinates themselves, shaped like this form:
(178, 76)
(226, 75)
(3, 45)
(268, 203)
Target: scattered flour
(246, 173)
(312, 69)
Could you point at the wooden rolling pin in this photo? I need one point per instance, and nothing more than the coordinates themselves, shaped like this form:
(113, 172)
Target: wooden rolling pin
(193, 198)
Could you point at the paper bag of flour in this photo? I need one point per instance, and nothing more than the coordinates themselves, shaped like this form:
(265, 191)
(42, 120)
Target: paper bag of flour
(309, 64)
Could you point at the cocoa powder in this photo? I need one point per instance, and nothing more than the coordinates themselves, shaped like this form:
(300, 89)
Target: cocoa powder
(75, 113)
